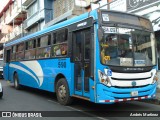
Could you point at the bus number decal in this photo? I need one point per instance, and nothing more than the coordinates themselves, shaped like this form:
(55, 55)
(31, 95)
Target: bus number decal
(61, 64)
(109, 29)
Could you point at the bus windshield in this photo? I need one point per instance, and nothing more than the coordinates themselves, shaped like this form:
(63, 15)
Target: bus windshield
(127, 47)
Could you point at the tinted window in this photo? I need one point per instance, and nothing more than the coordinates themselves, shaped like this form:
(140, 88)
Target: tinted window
(60, 46)
(30, 52)
(62, 36)
(44, 43)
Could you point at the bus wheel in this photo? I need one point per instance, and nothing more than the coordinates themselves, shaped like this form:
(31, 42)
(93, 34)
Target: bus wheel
(16, 82)
(62, 92)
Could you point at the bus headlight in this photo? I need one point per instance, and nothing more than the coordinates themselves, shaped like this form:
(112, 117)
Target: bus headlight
(155, 78)
(104, 79)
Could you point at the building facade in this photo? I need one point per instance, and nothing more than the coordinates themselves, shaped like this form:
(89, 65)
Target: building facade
(22, 17)
(12, 16)
(66, 9)
(39, 12)
(63, 10)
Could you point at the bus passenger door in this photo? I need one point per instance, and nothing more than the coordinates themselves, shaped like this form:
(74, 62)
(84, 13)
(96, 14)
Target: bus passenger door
(6, 65)
(81, 58)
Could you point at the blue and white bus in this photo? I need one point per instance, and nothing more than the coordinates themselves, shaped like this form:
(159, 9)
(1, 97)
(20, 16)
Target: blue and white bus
(101, 56)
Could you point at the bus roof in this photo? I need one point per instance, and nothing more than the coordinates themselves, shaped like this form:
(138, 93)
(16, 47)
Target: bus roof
(51, 28)
(63, 24)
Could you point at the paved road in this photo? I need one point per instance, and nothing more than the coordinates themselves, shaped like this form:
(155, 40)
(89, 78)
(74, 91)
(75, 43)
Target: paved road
(29, 99)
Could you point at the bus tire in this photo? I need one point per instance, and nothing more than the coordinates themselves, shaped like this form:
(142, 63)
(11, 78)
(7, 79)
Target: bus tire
(16, 82)
(62, 92)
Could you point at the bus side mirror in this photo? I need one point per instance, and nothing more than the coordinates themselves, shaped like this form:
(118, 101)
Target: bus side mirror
(100, 34)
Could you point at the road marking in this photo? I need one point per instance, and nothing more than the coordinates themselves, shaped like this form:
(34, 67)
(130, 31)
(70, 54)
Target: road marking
(101, 118)
(53, 102)
(75, 109)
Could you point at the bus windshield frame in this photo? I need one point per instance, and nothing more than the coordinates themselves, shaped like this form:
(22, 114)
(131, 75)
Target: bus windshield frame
(127, 47)
(123, 18)
(138, 32)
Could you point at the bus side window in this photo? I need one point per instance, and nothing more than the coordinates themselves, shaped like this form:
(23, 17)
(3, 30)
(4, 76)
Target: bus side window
(49, 39)
(30, 51)
(13, 53)
(34, 43)
(7, 55)
(60, 46)
(44, 46)
(26, 46)
(20, 51)
(62, 36)
(38, 42)
(54, 38)
(30, 44)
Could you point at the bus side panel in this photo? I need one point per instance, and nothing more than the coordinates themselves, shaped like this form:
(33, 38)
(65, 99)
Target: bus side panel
(41, 73)
(52, 68)
(6, 71)
(71, 82)
(92, 94)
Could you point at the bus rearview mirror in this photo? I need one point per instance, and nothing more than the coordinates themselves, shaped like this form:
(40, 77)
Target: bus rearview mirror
(100, 34)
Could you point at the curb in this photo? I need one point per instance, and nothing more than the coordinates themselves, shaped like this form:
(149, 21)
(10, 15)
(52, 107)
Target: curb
(155, 100)
(152, 101)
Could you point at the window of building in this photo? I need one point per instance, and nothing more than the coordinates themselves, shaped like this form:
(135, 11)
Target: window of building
(15, 4)
(35, 28)
(32, 9)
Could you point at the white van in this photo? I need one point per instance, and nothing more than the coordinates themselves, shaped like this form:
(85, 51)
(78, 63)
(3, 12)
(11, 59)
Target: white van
(1, 68)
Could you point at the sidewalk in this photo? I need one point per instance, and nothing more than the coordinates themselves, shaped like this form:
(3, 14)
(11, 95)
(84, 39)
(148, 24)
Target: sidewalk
(158, 94)
(158, 88)
(157, 99)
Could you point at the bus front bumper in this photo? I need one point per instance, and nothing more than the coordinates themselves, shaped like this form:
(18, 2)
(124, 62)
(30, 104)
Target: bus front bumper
(112, 94)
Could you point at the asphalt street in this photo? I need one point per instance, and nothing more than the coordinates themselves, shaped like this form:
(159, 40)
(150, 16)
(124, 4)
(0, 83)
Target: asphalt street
(28, 99)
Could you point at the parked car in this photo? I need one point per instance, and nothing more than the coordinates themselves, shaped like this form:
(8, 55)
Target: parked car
(1, 91)
(1, 68)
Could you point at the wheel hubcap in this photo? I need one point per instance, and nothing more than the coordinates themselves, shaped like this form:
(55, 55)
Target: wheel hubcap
(62, 92)
(15, 82)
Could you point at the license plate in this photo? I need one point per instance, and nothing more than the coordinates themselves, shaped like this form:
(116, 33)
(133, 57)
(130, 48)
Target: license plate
(134, 93)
